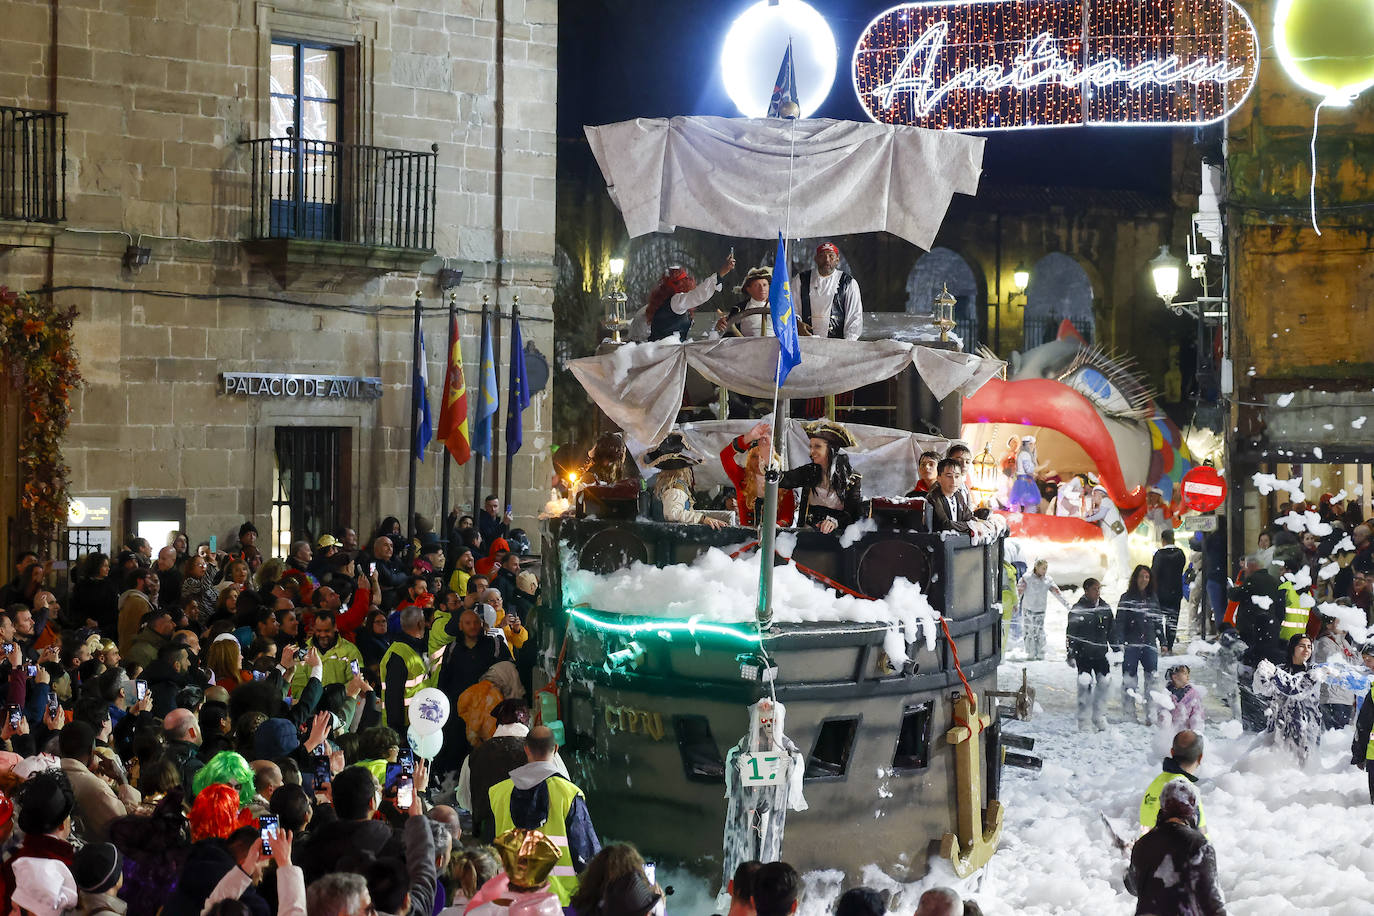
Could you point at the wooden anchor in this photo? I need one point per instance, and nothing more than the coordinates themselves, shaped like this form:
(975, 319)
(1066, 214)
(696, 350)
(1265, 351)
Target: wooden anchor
(976, 841)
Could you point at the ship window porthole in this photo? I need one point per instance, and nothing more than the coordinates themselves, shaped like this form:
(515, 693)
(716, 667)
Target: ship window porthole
(701, 760)
(913, 743)
(833, 748)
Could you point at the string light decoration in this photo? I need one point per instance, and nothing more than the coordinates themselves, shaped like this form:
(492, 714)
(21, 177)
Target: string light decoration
(1011, 64)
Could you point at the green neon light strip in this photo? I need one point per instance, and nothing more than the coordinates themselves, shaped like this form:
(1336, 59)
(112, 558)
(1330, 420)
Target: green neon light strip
(658, 624)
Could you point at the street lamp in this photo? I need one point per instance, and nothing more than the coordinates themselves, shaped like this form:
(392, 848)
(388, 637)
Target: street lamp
(616, 319)
(1165, 269)
(1020, 278)
(984, 476)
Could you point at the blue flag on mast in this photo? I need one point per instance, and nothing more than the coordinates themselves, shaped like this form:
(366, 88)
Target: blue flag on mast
(785, 89)
(487, 404)
(424, 422)
(783, 314)
(518, 398)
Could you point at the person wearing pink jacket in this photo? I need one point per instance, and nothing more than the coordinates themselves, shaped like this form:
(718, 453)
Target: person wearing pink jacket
(1187, 709)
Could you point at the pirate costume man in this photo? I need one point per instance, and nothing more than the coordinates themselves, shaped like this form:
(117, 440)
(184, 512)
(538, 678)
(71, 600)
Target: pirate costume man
(750, 317)
(831, 497)
(830, 302)
(673, 485)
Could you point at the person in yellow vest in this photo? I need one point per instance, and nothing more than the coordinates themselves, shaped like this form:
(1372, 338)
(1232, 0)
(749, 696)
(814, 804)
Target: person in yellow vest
(337, 654)
(1182, 763)
(450, 606)
(405, 669)
(535, 797)
(1362, 748)
(1294, 614)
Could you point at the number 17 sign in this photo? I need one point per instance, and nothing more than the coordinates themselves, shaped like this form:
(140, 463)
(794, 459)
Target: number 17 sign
(762, 769)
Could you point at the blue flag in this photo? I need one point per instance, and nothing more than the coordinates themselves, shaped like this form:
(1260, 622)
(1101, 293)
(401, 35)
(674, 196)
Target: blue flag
(784, 315)
(424, 424)
(487, 402)
(518, 397)
(785, 89)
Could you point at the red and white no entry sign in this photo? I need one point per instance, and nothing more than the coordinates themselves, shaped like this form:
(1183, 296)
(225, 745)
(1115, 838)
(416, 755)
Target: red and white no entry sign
(1203, 489)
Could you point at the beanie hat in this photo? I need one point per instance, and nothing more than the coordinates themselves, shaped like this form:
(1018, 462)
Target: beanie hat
(96, 867)
(1178, 799)
(275, 738)
(44, 887)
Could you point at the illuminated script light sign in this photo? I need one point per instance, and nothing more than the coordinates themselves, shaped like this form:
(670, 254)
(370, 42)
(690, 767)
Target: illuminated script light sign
(1002, 64)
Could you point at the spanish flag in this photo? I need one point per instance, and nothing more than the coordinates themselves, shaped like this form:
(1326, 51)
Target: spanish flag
(453, 414)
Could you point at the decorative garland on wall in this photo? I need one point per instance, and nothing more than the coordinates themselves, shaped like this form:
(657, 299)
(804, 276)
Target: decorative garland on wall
(40, 359)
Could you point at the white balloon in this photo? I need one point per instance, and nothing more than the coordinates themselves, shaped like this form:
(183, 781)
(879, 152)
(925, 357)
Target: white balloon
(753, 50)
(429, 710)
(427, 746)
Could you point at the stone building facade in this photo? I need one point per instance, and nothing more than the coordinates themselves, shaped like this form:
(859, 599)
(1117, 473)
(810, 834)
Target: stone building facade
(1302, 304)
(295, 171)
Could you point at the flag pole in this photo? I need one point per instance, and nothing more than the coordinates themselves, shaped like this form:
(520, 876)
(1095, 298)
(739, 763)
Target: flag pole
(481, 401)
(414, 419)
(510, 454)
(768, 525)
(446, 458)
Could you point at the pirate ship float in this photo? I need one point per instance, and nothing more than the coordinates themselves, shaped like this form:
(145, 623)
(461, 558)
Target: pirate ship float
(894, 745)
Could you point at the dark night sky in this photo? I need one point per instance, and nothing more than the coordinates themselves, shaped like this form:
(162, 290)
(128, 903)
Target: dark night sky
(621, 59)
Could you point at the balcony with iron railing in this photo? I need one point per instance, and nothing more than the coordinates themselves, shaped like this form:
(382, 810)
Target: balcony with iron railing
(341, 204)
(33, 173)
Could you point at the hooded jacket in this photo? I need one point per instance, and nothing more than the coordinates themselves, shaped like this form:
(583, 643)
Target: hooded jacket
(320, 850)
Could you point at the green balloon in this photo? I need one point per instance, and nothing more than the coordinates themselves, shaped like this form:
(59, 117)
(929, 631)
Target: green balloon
(1327, 46)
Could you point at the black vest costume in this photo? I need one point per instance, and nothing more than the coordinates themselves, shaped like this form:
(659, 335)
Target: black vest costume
(837, 306)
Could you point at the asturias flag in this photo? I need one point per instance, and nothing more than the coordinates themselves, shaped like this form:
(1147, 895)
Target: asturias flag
(785, 90)
(424, 425)
(518, 398)
(453, 413)
(481, 439)
(784, 315)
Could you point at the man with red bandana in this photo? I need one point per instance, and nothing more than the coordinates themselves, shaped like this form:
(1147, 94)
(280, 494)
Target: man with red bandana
(830, 302)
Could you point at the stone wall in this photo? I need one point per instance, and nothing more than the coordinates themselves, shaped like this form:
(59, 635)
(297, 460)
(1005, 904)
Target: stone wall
(159, 94)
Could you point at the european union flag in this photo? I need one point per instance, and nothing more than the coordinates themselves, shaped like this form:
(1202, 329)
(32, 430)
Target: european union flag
(518, 395)
(424, 423)
(487, 404)
(784, 315)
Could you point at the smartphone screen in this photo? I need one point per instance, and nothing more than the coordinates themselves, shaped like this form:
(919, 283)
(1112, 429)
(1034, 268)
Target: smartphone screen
(300, 654)
(268, 824)
(54, 704)
(259, 675)
(140, 689)
(405, 792)
(353, 664)
(15, 715)
(32, 670)
(407, 761)
(8, 647)
(214, 543)
(372, 569)
(322, 774)
(650, 872)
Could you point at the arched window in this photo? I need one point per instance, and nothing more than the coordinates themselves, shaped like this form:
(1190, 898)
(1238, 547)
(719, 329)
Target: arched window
(934, 270)
(1059, 288)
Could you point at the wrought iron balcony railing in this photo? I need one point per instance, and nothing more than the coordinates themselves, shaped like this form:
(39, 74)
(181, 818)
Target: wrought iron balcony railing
(33, 173)
(343, 192)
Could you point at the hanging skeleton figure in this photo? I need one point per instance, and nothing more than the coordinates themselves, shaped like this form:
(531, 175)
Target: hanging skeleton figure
(763, 779)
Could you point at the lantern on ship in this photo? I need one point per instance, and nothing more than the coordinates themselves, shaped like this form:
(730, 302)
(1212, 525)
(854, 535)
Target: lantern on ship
(983, 476)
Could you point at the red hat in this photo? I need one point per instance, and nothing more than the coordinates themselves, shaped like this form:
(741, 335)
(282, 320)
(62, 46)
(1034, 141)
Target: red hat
(827, 246)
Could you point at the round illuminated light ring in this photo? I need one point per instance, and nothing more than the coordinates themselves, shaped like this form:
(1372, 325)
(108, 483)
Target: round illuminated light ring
(983, 65)
(753, 50)
(1332, 96)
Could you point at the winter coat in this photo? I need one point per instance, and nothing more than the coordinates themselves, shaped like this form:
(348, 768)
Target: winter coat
(1139, 621)
(1330, 650)
(1090, 630)
(1187, 711)
(1166, 571)
(99, 905)
(98, 600)
(96, 803)
(207, 862)
(321, 849)
(164, 682)
(490, 763)
(1257, 624)
(1364, 724)
(1174, 871)
(1293, 692)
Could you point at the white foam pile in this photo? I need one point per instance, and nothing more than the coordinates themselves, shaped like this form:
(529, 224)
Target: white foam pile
(718, 589)
(1287, 840)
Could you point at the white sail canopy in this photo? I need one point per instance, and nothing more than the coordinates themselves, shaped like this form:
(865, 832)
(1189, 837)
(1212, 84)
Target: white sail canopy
(731, 176)
(640, 386)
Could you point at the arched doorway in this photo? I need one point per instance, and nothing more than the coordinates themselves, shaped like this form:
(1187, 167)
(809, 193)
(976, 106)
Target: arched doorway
(935, 269)
(1059, 288)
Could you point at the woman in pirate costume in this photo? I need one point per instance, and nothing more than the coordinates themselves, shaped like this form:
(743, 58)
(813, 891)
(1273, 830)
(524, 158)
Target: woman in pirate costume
(674, 483)
(831, 497)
